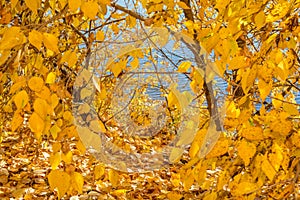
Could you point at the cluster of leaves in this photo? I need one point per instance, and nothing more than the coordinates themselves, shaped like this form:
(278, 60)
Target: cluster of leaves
(254, 44)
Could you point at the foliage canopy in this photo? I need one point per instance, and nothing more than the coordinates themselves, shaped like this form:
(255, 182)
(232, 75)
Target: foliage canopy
(254, 46)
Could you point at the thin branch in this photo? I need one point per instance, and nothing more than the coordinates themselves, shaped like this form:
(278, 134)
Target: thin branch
(129, 12)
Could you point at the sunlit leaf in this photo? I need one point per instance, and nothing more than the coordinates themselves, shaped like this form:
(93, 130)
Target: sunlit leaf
(36, 39)
(55, 159)
(244, 188)
(16, 121)
(184, 66)
(12, 37)
(90, 9)
(67, 157)
(60, 180)
(220, 148)
(174, 195)
(183, 5)
(36, 83)
(54, 130)
(100, 36)
(33, 5)
(99, 171)
(51, 42)
(77, 182)
(74, 5)
(113, 177)
(51, 78)
(36, 123)
(21, 99)
(246, 151)
(260, 19)
(176, 154)
(268, 169)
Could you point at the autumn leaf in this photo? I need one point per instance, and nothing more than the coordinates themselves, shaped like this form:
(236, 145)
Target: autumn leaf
(90, 9)
(74, 5)
(33, 5)
(51, 42)
(36, 39)
(246, 151)
(113, 177)
(184, 66)
(11, 38)
(77, 182)
(60, 180)
(36, 83)
(21, 99)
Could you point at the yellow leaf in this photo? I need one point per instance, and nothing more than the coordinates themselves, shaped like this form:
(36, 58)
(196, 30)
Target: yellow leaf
(246, 151)
(36, 124)
(51, 78)
(130, 21)
(14, 3)
(50, 41)
(268, 169)
(54, 130)
(290, 108)
(56, 147)
(220, 148)
(260, 19)
(36, 38)
(253, 133)
(244, 188)
(21, 99)
(175, 154)
(54, 100)
(60, 180)
(33, 5)
(85, 92)
(97, 125)
(90, 9)
(188, 180)
(278, 101)
(44, 93)
(135, 63)
(116, 69)
(183, 5)
(4, 54)
(69, 57)
(67, 158)
(197, 143)
(113, 177)
(36, 84)
(184, 66)
(12, 37)
(99, 171)
(211, 196)
(77, 182)
(100, 36)
(276, 157)
(174, 195)
(264, 89)
(80, 147)
(55, 159)
(74, 5)
(68, 116)
(84, 108)
(41, 107)
(16, 121)
(237, 62)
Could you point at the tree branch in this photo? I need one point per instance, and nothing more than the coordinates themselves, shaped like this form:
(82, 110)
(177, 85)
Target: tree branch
(129, 12)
